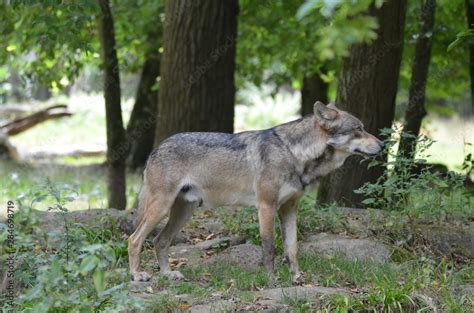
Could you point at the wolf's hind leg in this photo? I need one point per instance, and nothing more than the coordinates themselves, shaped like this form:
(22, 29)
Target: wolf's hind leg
(266, 218)
(155, 209)
(287, 214)
(180, 213)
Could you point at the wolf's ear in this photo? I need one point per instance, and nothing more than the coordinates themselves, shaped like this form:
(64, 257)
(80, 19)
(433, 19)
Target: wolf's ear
(323, 112)
(332, 105)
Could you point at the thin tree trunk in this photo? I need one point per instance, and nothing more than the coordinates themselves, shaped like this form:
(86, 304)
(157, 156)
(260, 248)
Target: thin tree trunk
(314, 89)
(416, 99)
(197, 89)
(470, 22)
(142, 125)
(367, 88)
(116, 141)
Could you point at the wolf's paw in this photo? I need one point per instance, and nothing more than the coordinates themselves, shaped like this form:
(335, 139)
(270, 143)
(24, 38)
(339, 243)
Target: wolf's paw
(173, 275)
(141, 276)
(298, 278)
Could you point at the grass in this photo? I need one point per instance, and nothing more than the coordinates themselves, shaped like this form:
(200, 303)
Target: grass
(395, 287)
(22, 181)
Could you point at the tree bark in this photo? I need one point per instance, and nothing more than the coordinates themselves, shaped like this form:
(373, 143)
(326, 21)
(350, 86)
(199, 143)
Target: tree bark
(470, 22)
(142, 125)
(367, 88)
(314, 89)
(416, 111)
(116, 141)
(197, 89)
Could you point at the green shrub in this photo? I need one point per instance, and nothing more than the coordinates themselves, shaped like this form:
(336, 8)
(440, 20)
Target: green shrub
(84, 272)
(410, 186)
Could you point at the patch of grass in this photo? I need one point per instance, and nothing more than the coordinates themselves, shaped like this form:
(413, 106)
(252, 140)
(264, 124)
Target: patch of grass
(314, 218)
(162, 303)
(339, 271)
(197, 292)
(404, 287)
(298, 304)
(22, 181)
(225, 276)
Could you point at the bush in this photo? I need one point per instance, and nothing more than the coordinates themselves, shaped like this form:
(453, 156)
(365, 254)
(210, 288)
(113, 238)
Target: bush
(83, 272)
(411, 186)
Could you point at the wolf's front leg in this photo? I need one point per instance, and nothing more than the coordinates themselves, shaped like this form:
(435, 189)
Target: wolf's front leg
(266, 218)
(287, 214)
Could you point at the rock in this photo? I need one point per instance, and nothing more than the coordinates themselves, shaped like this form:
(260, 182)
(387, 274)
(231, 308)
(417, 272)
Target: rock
(247, 256)
(269, 300)
(215, 243)
(216, 306)
(360, 249)
(214, 226)
(447, 239)
(312, 293)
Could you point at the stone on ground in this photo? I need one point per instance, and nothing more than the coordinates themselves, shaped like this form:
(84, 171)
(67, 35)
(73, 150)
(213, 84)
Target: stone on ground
(360, 249)
(247, 256)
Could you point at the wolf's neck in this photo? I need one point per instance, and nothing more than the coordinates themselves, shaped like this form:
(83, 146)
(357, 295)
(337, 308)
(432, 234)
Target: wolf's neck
(305, 141)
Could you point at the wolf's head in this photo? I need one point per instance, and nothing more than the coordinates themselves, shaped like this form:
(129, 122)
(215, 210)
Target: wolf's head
(345, 132)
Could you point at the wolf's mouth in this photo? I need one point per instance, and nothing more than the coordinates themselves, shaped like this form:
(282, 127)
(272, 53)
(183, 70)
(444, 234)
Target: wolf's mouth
(364, 153)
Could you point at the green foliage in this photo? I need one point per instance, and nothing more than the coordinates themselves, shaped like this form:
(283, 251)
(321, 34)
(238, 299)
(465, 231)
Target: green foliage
(410, 186)
(48, 41)
(51, 41)
(461, 37)
(84, 271)
(279, 45)
(441, 93)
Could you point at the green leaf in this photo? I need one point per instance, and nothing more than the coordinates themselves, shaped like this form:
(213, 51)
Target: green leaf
(368, 201)
(99, 280)
(88, 264)
(306, 8)
(110, 254)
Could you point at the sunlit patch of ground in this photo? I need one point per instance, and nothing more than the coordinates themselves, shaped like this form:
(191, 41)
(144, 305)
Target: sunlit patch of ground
(454, 139)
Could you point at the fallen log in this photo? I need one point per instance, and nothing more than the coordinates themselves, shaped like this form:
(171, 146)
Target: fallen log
(22, 124)
(75, 151)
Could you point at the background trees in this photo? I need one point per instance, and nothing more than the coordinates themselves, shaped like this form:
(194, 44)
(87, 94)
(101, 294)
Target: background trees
(367, 88)
(286, 46)
(197, 71)
(416, 111)
(116, 140)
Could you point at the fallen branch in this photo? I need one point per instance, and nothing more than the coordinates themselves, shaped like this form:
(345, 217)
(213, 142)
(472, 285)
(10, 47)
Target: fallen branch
(22, 124)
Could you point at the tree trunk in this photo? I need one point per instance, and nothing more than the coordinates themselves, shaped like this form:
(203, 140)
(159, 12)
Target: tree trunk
(116, 141)
(314, 89)
(416, 97)
(367, 88)
(197, 89)
(470, 22)
(142, 125)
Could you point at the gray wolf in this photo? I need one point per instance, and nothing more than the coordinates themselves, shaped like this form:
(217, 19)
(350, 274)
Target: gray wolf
(268, 169)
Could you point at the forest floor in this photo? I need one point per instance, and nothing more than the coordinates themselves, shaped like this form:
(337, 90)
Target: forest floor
(353, 259)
